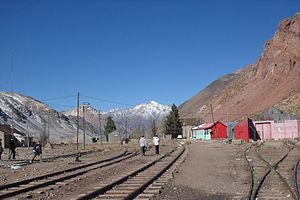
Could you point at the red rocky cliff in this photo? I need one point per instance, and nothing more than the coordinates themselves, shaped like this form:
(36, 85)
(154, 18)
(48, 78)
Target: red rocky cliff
(273, 79)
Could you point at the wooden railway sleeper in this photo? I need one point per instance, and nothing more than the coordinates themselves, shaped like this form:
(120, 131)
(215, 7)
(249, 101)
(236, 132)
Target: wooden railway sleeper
(129, 176)
(39, 183)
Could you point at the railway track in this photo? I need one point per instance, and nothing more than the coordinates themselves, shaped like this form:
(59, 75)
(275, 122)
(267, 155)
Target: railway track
(274, 168)
(59, 177)
(10, 163)
(141, 183)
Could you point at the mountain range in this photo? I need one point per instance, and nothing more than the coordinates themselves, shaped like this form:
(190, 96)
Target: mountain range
(130, 119)
(33, 117)
(273, 81)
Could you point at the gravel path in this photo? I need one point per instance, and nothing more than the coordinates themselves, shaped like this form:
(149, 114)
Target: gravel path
(212, 170)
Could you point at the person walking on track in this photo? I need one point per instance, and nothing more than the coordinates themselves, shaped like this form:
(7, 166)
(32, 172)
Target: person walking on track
(37, 151)
(156, 144)
(12, 149)
(143, 145)
(1, 148)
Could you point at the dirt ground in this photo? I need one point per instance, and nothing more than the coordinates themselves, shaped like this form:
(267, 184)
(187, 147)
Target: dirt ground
(211, 170)
(9, 173)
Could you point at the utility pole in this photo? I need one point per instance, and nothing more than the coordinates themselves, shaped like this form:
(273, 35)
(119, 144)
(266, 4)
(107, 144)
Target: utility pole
(212, 114)
(227, 107)
(48, 134)
(45, 133)
(83, 123)
(213, 120)
(12, 93)
(28, 142)
(83, 126)
(77, 120)
(126, 129)
(100, 127)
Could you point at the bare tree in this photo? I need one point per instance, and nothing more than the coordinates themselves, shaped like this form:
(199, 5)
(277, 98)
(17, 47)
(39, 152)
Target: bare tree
(152, 126)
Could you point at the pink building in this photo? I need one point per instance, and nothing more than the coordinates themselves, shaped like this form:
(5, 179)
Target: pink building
(288, 129)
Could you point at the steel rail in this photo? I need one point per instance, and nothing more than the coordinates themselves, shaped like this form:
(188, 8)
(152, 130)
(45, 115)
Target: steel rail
(272, 168)
(41, 181)
(296, 178)
(296, 169)
(134, 193)
(252, 171)
(252, 192)
(49, 159)
(139, 190)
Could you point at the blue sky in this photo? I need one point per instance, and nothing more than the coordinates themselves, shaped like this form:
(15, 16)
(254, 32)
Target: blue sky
(130, 51)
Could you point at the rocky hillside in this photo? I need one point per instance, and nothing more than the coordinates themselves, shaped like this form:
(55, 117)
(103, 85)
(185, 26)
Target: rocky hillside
(36, 118)
(272, 81)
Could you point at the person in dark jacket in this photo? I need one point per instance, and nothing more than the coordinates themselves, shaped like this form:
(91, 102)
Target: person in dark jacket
(1, 148)
(12, 149)
(37, 151)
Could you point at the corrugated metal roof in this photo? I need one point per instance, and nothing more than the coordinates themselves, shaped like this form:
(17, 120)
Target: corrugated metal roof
(203, 126)
(207, 125)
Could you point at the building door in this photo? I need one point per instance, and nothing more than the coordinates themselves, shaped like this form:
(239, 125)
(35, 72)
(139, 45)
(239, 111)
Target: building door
(264, 130)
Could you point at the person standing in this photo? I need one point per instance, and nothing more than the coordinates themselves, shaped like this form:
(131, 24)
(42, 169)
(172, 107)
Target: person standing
(143, 145)
(1, 148)
(156, 144)
(37, 151)
(12, 149)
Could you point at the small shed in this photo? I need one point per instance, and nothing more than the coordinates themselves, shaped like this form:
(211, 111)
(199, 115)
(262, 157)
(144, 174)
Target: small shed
(219, 130)
(246, 130)
(208, 131)
(202, 132)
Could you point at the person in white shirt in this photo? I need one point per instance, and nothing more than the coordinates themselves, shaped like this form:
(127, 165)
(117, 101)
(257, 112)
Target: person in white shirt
(156, 144)
(143, 145)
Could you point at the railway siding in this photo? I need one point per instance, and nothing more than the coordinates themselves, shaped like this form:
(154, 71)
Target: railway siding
(274, 168)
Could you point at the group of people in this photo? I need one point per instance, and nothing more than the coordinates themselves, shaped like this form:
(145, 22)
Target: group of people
(37, 150)
(143, 144)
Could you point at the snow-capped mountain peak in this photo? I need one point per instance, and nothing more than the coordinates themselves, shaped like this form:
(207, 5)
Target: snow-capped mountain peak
(145, 110)
(142, 112)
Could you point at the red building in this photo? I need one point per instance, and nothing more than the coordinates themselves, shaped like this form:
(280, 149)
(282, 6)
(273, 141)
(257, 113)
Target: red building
(218, 130)
(246, 130)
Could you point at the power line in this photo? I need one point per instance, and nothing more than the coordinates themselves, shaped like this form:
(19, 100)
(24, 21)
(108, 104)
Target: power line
(209, 113)
(230, 114)
(62, 97)
(108, 101)
(62, 105)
